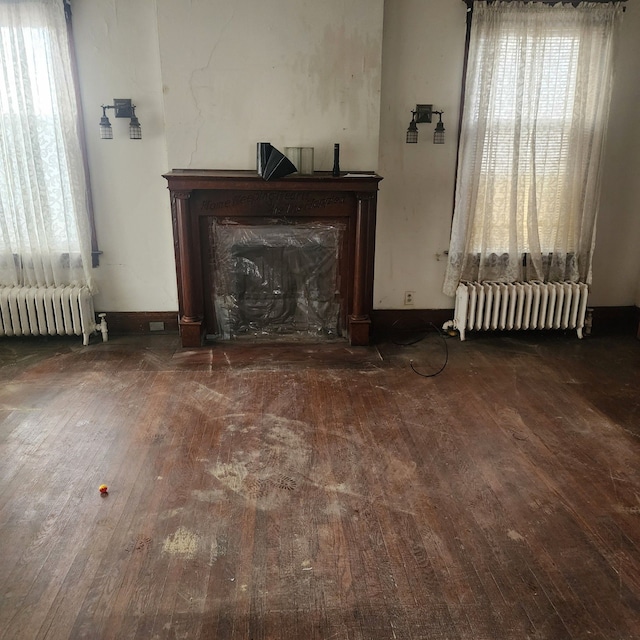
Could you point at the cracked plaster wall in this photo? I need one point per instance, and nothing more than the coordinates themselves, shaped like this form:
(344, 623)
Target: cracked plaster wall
(117, 48)
(290, 72)
(211, 78)
(422, 62)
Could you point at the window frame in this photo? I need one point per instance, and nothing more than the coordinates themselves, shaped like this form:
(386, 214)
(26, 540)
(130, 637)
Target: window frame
(95, 250)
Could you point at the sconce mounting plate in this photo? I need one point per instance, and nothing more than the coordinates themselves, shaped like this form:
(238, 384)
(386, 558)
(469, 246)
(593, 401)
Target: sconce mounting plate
(124, 108)
(424, 112)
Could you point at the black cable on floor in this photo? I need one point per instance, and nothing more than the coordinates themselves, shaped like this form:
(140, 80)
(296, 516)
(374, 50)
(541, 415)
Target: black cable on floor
(416, 340)
(446, 357)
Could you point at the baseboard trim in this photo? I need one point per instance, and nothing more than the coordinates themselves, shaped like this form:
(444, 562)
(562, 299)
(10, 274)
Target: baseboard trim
(137, 322)
(386, 322)
(608, 320)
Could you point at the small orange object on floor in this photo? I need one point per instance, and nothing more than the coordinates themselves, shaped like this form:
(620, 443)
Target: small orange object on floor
(103, 488)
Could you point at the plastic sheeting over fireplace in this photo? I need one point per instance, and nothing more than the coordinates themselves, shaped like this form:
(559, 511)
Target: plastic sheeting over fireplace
(276, 280)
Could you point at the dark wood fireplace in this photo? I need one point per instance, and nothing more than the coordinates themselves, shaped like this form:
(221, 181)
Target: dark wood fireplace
(244, 198)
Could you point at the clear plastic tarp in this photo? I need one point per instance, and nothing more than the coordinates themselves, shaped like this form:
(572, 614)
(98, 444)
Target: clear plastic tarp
(276, 280)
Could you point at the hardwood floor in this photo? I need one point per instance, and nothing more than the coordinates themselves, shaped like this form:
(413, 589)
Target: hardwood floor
(321, 491)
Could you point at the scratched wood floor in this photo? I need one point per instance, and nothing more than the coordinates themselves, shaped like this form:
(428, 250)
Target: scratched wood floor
(321, 492)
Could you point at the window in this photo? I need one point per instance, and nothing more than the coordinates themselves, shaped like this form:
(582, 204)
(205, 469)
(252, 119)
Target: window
(45, 234)
(534, 119)
(525, 152)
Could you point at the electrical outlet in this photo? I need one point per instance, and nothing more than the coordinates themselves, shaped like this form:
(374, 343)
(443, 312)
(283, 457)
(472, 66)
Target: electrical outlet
(408, 297)
(156, 326)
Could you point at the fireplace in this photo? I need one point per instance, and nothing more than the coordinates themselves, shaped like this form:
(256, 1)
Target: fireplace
(287, 258)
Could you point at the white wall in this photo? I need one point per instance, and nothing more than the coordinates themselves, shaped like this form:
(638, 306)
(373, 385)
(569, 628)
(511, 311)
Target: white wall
(211, 78)
(117, 49)
(422, 62)
(289, 72)
(423, 53)
(616, 262)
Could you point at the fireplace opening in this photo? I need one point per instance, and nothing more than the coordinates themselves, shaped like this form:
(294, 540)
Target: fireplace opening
(276, 280)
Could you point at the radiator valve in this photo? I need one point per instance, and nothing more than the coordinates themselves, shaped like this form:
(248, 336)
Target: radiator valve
(449, 327)
(102, 326)
(588, 321)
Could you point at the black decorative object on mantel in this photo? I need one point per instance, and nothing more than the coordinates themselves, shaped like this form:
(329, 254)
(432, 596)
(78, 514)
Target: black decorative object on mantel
(272, 163)
(263, 152)
(336, 160)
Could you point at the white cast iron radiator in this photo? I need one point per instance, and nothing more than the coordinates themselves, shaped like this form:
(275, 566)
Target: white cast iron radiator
(485, 306)
(39, 311)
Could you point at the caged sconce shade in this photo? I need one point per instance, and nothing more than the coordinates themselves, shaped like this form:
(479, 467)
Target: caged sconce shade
(106, 133)
(412, 131)
(424, 113)
(438, 134)
(123, 108)
(135, 130)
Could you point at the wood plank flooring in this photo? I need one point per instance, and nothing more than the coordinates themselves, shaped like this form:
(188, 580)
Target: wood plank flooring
(320, 491)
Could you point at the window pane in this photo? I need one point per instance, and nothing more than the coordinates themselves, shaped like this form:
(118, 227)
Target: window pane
(526, 148)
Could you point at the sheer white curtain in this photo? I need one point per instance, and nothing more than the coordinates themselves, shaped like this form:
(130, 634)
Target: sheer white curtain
(535, 114)
(44, 230)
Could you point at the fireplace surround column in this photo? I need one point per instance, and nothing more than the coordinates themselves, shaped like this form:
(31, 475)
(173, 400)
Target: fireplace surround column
(188, 259)
(359, 320)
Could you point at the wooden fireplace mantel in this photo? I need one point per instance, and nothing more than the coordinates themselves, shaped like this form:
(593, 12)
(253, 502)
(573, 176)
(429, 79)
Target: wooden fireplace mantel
(243, 196)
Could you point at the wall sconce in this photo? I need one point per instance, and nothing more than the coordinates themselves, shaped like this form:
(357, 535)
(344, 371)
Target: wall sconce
(424, 113)
(123, 108)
